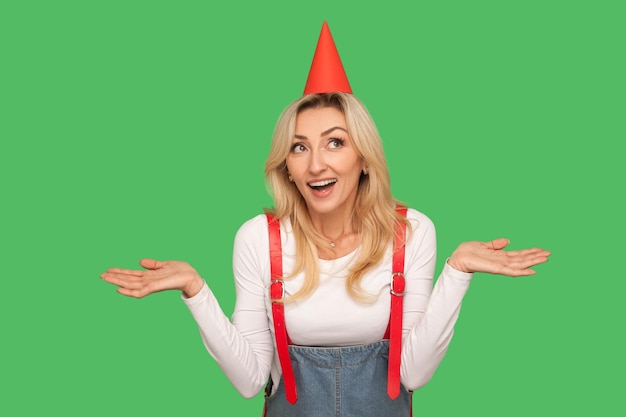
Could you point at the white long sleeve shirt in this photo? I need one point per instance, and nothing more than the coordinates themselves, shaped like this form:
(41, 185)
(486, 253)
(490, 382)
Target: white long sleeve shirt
(245, 348)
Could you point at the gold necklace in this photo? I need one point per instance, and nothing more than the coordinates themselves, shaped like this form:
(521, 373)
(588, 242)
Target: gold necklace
(333, 243)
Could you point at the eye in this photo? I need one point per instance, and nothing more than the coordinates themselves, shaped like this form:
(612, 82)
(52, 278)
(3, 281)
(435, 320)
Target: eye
(335, 143)
(298, 147)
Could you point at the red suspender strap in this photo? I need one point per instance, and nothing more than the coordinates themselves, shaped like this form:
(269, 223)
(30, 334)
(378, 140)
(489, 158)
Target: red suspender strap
(277, 293)
(395, 319)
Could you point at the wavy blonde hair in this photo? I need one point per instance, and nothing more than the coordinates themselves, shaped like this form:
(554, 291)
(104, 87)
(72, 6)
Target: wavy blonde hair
(374, 213)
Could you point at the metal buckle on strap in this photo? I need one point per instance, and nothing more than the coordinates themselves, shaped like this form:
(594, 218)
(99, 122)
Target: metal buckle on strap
(274, 292)
(397, 285)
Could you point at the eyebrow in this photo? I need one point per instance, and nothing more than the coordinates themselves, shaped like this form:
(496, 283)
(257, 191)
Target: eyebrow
(324, 133)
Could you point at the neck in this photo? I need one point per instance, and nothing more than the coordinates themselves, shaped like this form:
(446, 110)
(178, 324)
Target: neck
(334, 231)
(336, 226)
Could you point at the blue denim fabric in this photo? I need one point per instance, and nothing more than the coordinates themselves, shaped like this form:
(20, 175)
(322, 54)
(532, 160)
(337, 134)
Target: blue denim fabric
(340, 382)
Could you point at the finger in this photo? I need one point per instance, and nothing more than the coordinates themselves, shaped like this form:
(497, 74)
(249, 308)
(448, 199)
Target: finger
(521, 267)
(131, 293)
(126, 281)
(536, 260)
(528, 252)
(108, 276)
(132, 272)
(510, 272)
(151, 263)
(498, 244)
(141, 291)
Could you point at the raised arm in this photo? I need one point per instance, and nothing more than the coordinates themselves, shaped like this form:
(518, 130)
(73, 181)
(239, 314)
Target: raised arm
(431, 312)
(242, 348)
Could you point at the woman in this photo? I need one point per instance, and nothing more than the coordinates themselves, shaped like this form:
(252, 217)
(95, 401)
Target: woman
(338, 235)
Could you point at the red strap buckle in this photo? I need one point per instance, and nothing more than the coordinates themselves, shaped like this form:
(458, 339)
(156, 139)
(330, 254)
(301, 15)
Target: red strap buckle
(277, 290)
(397, 284)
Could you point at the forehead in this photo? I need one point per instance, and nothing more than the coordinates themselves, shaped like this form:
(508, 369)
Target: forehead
(320, 119)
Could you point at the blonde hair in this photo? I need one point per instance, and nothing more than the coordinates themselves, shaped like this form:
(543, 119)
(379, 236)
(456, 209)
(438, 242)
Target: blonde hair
(374, 211)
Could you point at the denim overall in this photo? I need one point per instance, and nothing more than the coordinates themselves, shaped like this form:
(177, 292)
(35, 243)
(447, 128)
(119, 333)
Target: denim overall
(348, 381)
(339, 382)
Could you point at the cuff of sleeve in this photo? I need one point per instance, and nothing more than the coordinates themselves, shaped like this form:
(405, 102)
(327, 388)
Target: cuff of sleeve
(459, 277)
(202, 294)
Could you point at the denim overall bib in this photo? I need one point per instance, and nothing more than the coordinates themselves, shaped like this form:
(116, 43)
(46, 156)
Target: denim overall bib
(350, 381)
(339, 382)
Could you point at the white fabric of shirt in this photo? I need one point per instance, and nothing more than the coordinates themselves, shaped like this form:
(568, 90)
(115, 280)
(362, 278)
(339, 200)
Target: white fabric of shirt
(245, 350)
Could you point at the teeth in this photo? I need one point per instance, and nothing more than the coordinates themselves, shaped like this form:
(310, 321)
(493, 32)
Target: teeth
(322, 183)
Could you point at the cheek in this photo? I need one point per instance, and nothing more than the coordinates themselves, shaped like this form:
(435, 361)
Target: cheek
(296, 165)
(289, 164)
(353, 165)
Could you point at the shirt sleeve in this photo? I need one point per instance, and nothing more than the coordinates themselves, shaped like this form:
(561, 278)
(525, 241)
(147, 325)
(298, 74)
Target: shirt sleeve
(243, 348)
(430, 313)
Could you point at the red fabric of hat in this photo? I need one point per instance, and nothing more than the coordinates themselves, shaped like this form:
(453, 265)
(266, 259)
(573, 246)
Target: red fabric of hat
(326, 73)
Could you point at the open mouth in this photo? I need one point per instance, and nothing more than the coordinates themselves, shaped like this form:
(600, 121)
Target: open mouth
(323, 185)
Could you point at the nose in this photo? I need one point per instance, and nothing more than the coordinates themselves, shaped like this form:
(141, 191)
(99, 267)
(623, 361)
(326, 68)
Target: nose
(317, 162)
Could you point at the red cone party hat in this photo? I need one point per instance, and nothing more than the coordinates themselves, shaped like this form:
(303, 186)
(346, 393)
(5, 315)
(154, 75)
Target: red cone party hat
(327, 73)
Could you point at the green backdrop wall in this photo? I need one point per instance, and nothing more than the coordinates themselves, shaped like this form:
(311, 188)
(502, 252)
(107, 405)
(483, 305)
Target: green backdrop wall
(133, 129)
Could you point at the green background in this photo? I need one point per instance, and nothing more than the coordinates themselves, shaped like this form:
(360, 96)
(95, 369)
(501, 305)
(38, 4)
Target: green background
(136, 129)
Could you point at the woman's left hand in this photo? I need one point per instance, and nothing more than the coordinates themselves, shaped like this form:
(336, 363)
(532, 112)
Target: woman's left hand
(489, 257)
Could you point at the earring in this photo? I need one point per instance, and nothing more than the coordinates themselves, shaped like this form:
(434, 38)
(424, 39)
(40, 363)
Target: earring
(290, 178)
(365, 171)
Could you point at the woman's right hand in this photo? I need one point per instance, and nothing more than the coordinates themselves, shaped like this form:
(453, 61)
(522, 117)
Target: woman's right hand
(157, 276)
